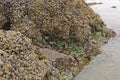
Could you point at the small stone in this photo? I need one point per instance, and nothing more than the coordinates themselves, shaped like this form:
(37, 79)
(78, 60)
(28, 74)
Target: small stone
(113, 7)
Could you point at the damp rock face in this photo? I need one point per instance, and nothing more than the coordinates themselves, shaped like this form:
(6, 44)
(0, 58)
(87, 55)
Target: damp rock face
(2, 17)
(21, 59)
(64, 24)
(67, 23)
(18, 59)
(56, 19)
(14, 16)
(2, 20)
(64, 19)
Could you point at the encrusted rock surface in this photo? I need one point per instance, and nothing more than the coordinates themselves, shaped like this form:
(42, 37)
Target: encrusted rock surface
(2, 17)
(47, 39)
(64, 19)
(57, 19)
(18, 59)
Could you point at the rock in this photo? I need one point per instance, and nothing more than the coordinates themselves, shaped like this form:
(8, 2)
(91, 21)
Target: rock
(16, 15)
(53, 55)
(94, 3)
(18, 56)
(1, 62)
(113, 7)
(2, 17)
(112, 33)
(61, 25)
(40, 18)
(64, 18)
(2, 21)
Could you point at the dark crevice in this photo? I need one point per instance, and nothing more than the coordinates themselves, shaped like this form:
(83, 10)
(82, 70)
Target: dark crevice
(8, 15)
(6, 26)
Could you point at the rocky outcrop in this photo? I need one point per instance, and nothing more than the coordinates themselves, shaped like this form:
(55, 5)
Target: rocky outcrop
(18, 59)
(47, 39)
(21, 59)
(65, 24)
(64, 19)
(54, 19)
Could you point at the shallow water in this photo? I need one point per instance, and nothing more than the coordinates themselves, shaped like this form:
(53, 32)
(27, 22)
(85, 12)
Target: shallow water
(106, 66)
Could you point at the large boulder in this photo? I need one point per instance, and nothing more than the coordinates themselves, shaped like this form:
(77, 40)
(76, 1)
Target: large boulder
(52, 20)
(21, 59)
(13, 15)
(67, 25)
(18, 58)
(64, 19)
